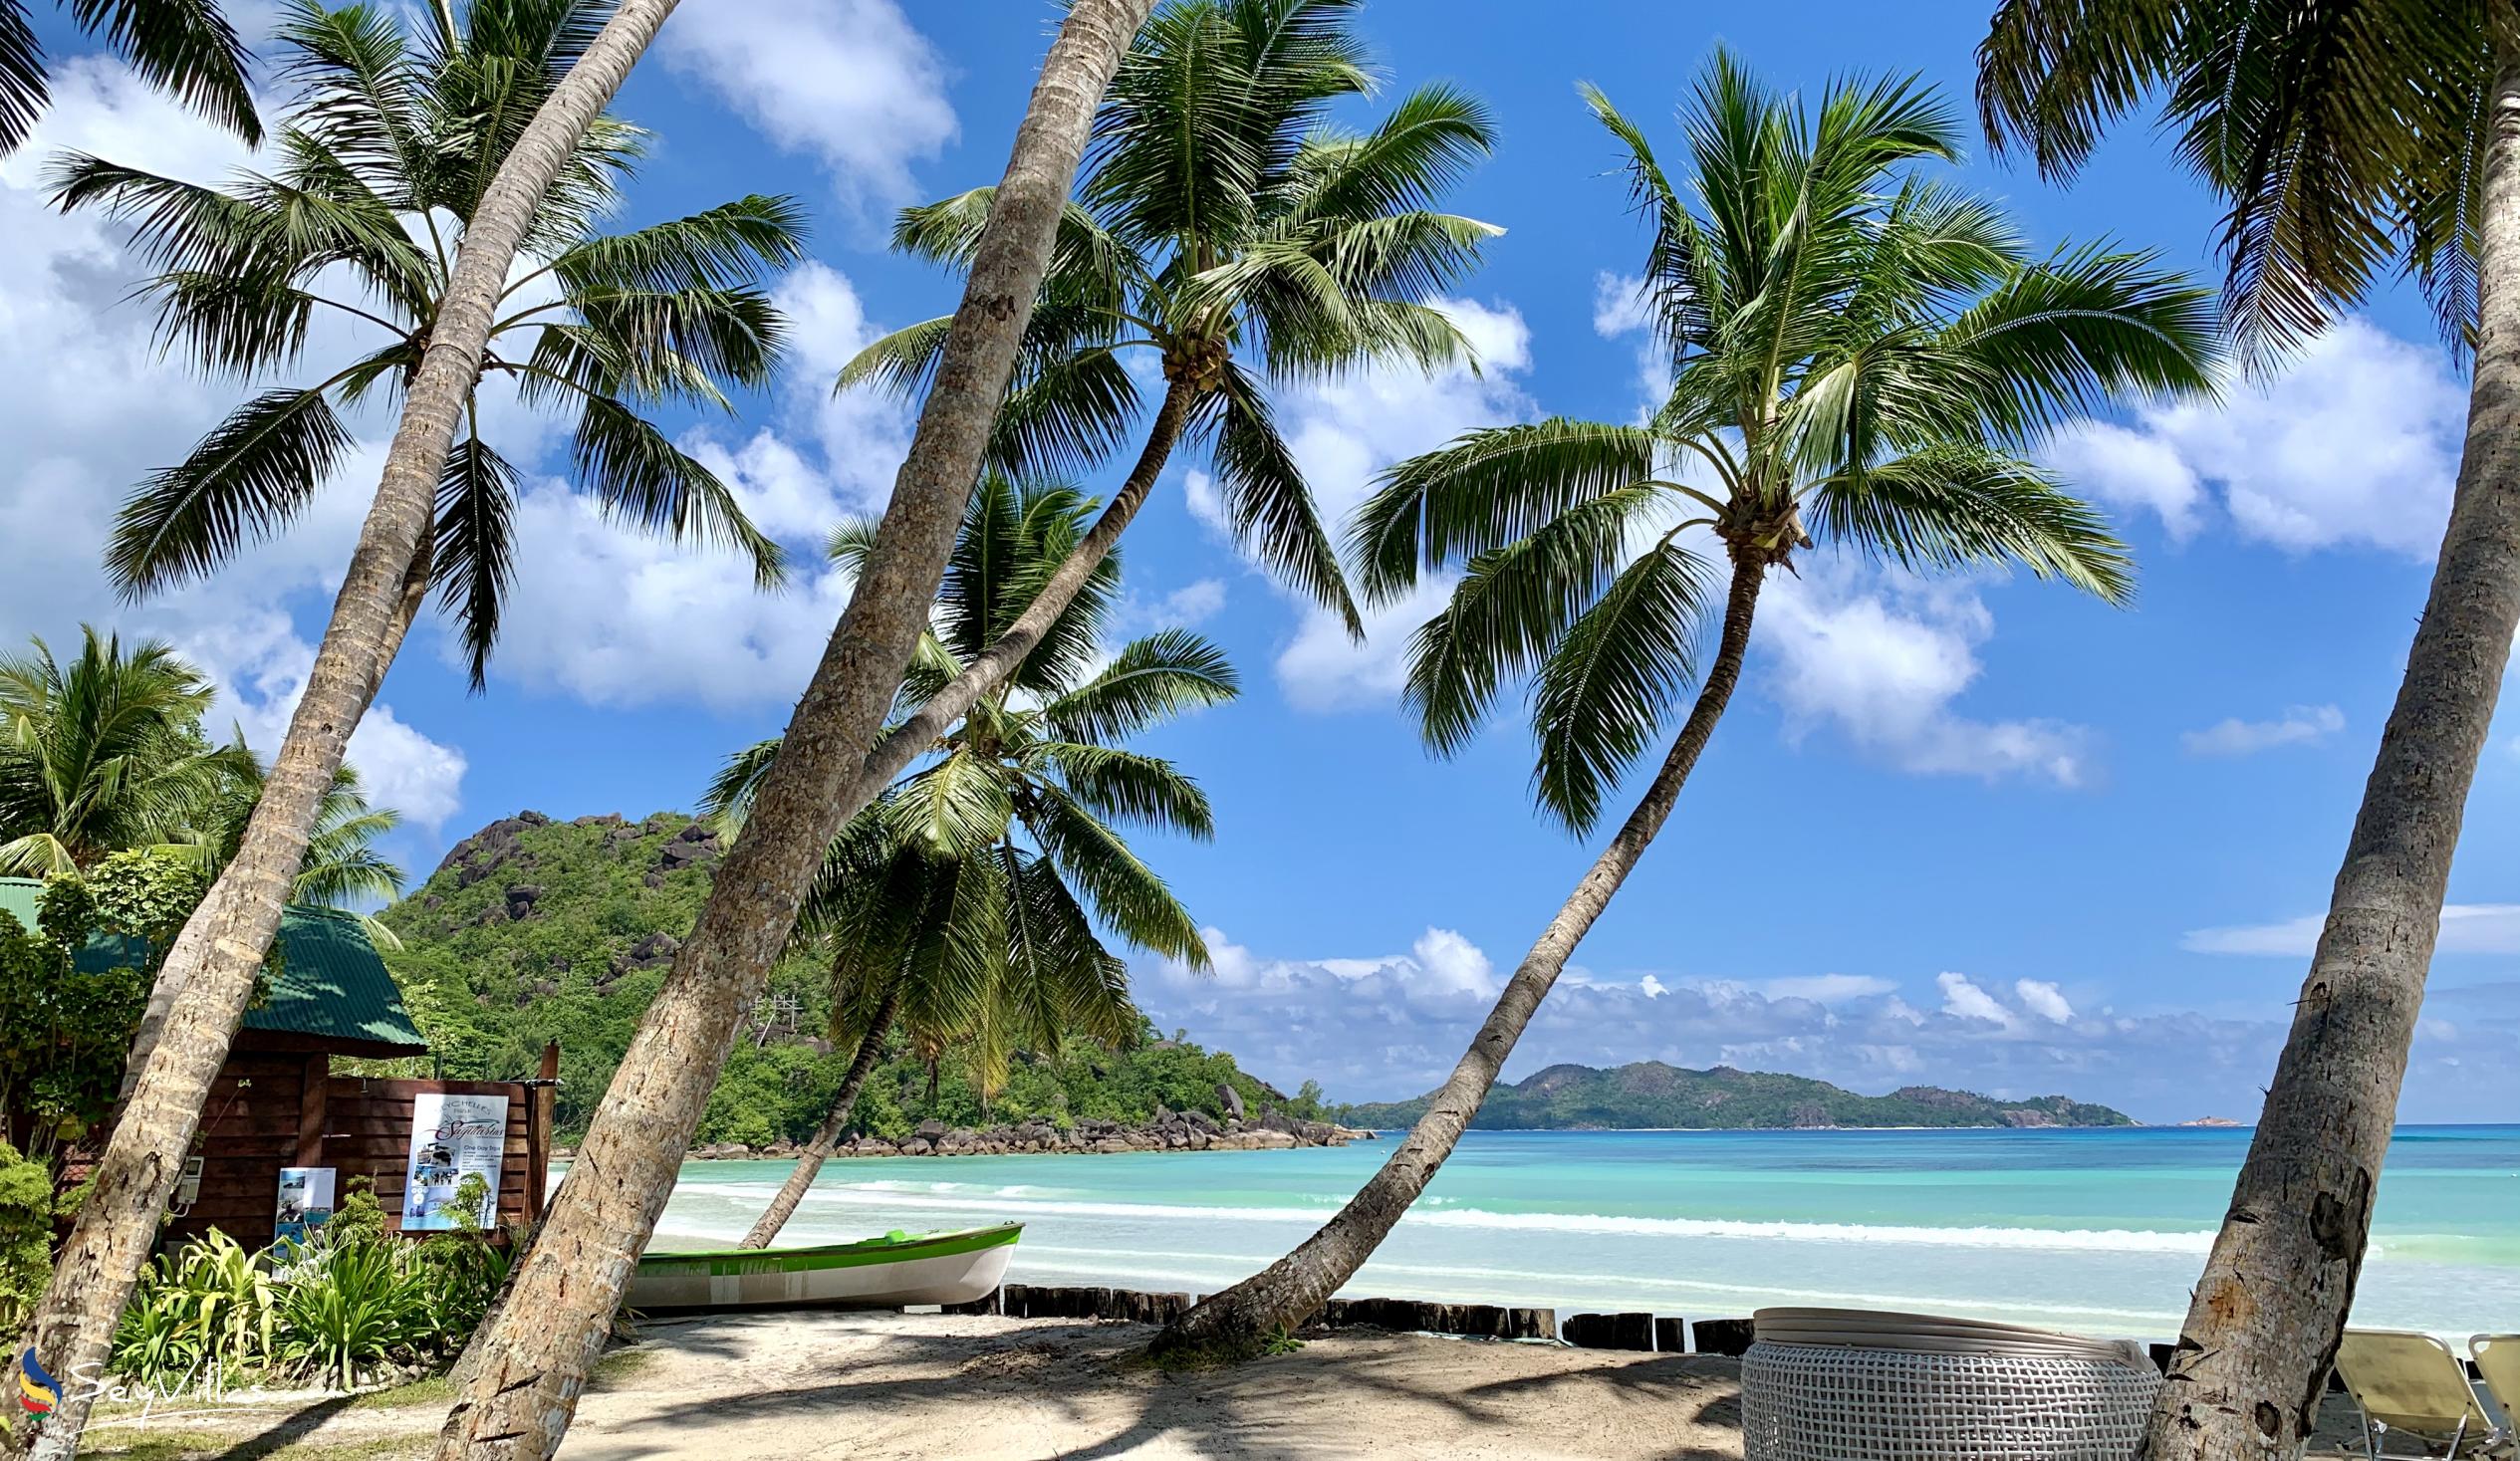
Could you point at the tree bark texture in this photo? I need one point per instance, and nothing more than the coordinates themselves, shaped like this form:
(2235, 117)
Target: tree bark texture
(209, 973)
(1242, 1320)
(537, 1360)
(809, 1163)
(2264, 1323)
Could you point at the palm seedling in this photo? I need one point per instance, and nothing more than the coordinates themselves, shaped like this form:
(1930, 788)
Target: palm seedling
(956, 908)
(1858, 354)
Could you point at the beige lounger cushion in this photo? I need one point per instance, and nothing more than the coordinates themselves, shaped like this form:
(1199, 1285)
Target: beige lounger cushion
(2498, 1360)
(2409, 1381)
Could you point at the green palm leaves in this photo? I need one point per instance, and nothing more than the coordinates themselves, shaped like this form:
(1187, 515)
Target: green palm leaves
(2349, 140)
(1228, 224)
(966, 899)
(1856, 350)
(102, 754)
(185, 47)
(388, 142)
(106, 754)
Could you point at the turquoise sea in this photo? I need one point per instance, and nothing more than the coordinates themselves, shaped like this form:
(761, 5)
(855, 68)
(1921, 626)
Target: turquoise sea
(2098, 1231)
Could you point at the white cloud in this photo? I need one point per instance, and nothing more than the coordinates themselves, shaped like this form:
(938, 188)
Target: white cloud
(2357, 444)
(2299, 725)
(1619, 308)
(1341, 434)
(2131, 469)
(1883, 656)
(1393, 1025)
(2043, 999)
(89, 405)
(616, 616)
(1963, 998)
(2466, 929)
(1827, 989)
(850, 81)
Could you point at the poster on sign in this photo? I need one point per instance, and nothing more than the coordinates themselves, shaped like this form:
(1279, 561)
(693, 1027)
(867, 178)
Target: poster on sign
(457, 1142)
(305, 1202)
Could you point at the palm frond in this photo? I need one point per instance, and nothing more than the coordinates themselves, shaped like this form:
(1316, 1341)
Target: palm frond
(253, 473)
(1267, 500)
(475, 546)
(1151, 680)
(1602, 693)
(644, 479)
(1486, 489)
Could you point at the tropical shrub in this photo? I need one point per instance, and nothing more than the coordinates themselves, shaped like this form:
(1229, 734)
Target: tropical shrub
(352, 1309)
(26, 1231)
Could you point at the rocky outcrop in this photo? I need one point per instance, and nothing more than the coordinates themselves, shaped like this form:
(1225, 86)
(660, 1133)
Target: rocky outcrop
(1168, 1132)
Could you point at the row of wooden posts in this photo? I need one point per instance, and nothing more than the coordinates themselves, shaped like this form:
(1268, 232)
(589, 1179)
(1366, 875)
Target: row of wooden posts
(1667, 1333)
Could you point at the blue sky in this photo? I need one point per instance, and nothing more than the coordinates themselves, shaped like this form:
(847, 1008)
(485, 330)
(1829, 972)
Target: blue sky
(1973, 832)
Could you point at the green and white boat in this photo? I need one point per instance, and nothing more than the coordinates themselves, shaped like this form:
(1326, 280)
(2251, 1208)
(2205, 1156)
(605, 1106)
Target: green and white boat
(896, 1269)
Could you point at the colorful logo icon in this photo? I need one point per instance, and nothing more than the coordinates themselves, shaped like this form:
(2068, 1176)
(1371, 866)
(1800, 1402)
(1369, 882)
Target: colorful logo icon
(37, 1391)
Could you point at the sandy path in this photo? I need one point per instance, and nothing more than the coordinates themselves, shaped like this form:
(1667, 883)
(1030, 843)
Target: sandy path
(774, 1387)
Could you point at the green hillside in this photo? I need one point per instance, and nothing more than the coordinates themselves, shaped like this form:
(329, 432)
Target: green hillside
(1652, 1094)
(533, 930)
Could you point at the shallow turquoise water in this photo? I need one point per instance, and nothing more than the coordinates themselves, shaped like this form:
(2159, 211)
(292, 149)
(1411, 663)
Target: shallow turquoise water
(2102, 1231)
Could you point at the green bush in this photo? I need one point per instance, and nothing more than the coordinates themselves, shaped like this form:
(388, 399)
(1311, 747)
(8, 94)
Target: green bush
(352, 1309)
(339, 1310)
(26, 1231)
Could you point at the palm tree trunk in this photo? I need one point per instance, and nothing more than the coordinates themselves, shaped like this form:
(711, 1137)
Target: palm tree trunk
(2265, 1320)
(209, 972)
(171, 982)
(538, 1356)
(894, 754)
(1240, 1322)
(809, 1163)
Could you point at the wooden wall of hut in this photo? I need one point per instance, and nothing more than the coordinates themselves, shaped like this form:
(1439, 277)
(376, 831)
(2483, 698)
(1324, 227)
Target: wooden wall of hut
(270, 1110)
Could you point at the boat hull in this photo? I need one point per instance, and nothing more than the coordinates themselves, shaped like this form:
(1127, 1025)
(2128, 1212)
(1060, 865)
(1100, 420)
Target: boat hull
(932, 1268)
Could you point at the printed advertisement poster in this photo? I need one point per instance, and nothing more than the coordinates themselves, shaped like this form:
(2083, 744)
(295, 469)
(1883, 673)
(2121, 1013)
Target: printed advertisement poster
(306, 1201)
(454, 1137)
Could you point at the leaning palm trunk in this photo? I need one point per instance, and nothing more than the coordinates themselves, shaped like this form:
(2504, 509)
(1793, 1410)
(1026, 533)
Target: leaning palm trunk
(809, 1163)
(2263, 1326)
(209, 973)
(536, 1358)
(1243, 1320)
(894, 754)
(382, 649)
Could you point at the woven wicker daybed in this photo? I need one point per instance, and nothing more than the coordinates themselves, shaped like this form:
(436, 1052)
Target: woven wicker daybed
(1844, 1384)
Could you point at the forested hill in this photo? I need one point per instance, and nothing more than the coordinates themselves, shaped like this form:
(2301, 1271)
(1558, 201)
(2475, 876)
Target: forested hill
(534, 930)
(1651, 1095)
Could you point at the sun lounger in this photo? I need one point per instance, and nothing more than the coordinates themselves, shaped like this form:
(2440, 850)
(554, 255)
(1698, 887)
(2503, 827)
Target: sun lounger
(2410, 1385)
(2497, 1360)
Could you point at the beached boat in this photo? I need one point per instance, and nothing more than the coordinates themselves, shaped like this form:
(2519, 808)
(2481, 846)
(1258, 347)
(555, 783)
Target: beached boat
(896, 1269)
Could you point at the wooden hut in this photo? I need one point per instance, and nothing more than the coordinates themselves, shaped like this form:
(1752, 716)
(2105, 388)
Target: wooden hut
(277, 1104)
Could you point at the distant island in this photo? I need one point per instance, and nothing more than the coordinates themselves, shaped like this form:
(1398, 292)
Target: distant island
(1650, 1095)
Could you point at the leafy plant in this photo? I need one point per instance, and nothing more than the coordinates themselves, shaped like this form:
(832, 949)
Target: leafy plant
(26, 1233)
(350, 1309)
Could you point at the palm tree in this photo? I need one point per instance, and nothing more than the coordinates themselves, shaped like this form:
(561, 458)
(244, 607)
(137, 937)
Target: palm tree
(104, 754)
(2349, 142)
(181, 46)
(389, 145)
(934, 915)
(1230, 228)
(1859, 353)
(342, 867)
(214, 960)
(535, 1354)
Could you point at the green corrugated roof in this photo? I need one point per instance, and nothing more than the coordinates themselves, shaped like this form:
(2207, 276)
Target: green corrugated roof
(331, 985)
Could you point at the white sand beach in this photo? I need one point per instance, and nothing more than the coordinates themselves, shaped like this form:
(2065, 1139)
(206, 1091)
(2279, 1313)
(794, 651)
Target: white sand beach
(880, 1386)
